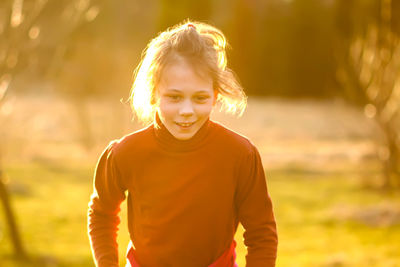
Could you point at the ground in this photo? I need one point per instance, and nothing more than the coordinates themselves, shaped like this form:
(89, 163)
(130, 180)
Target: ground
(319, 159)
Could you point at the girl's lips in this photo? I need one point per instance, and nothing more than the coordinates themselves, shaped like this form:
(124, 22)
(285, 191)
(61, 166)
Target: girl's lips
(185, 125)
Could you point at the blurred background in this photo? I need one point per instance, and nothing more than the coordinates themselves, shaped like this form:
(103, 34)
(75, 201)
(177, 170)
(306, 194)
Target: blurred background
(324, 110)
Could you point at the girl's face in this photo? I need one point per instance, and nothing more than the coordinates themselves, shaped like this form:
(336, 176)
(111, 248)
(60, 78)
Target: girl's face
(185, 99)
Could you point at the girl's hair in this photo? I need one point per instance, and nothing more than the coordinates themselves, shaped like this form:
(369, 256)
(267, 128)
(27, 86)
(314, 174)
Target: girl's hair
(203, 47)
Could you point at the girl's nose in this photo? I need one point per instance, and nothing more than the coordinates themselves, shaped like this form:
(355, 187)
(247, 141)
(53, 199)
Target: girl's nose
(186, 108)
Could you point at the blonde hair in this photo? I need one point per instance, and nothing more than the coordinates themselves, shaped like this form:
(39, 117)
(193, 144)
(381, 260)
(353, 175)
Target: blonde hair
(203, 46)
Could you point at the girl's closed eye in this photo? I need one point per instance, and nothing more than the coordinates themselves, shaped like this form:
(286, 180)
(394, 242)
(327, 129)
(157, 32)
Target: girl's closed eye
(201, 98)
(173, 97)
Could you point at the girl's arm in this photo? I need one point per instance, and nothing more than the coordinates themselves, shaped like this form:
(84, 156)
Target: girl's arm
(255, 212)
(104, 207)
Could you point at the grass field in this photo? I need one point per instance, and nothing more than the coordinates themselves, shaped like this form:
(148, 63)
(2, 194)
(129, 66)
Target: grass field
(323, 219)
(319, 164)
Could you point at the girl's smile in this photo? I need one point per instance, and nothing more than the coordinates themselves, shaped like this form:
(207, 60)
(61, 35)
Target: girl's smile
(186, 125)
(185, 99)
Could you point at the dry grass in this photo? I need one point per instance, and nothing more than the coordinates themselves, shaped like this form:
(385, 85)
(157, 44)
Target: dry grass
(286, 132)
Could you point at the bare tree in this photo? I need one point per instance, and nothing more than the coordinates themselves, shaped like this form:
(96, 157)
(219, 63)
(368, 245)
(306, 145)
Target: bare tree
(21, 26)
(368, 69)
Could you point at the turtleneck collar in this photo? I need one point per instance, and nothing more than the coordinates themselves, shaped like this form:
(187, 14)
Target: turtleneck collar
(169, 142)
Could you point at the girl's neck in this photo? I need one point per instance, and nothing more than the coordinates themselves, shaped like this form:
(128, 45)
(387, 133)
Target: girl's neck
(167, 141)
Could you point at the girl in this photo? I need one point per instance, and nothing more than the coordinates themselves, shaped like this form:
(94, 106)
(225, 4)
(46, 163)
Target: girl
(190, 180)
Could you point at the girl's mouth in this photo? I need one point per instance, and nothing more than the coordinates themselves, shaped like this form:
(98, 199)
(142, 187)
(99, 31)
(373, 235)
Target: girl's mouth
(185, 125)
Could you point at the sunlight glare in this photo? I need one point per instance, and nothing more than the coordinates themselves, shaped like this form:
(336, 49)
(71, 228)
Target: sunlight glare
(16, 13)
(34, 32)
(4, 83)
(92, 13)
(370, 111)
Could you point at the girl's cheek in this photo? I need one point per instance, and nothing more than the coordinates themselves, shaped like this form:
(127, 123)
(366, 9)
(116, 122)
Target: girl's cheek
(167, 106)
(204, 108)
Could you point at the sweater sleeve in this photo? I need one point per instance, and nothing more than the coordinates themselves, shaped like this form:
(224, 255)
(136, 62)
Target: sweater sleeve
(255, 212)
(104, 208)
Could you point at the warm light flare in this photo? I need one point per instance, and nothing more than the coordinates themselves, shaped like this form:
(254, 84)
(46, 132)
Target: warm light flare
(4, 83)
(92, 13)
(7, 107)
(16, 13)
(82, 5)
(34, 32)
(143, 88)
(370, 111)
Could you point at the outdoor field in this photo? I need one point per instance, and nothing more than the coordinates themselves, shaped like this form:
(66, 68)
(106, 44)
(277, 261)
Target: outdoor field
(319, 158)
(323, 87)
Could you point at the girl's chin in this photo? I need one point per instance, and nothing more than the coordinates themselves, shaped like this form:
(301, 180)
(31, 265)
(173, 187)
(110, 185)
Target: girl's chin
(183, 136)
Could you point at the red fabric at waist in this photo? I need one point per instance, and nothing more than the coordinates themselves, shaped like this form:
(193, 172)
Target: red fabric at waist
(227, 259)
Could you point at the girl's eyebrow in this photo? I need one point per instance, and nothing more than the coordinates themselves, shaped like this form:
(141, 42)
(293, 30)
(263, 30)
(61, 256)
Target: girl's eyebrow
(196, 92)
(202, 92)
(172, 90)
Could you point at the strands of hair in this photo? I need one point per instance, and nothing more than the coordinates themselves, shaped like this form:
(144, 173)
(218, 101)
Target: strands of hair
(201, 45)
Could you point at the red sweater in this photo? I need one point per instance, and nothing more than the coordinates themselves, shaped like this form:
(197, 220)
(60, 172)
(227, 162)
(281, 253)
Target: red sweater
(185, 198)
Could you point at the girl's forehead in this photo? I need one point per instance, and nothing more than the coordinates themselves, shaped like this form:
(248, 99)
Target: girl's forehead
(187, 85)
(182, 71)
(193, 63)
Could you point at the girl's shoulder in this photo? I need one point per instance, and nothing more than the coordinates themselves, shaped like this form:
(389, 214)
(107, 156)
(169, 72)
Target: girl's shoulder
(236, 145)
(131, 142)
(231, 138)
